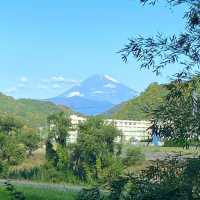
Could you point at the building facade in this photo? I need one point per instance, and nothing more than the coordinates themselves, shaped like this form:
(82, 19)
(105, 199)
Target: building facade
(132, 131)
(75, 121)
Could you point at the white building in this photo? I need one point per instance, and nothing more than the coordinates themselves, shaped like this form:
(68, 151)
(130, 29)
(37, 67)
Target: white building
(132, 131)
(75, 121)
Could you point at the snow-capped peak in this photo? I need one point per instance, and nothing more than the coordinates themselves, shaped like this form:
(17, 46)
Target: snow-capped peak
(111, 78)
(95, 95)
(75, 94)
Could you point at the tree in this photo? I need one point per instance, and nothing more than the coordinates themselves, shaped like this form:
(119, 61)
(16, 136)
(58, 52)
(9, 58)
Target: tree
(157, 52)
(178, 117)
(30, 138)
(164, 180)
(12, 150)
(59, 125)
(9, 124)
(96, 151)
(175, 116)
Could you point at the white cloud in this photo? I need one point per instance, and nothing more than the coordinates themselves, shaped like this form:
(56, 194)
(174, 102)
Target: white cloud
(56, 86)
(75, 94)
(21, 85)
(24, 79)
(57, 79)
(111, 78)
(11, 90)
(43, 87)
(98, 92)
(112, 86)
(58, 82)
(73, 81)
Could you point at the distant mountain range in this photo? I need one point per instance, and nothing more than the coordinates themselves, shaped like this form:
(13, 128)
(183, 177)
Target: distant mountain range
(35, 112)
(95, 95)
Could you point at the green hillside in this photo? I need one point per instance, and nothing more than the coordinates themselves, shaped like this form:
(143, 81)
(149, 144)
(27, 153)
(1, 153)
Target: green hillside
(135, 109)
(31, 112)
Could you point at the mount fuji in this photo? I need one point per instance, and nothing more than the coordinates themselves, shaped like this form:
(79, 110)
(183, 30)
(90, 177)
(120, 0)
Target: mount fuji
(95, 95)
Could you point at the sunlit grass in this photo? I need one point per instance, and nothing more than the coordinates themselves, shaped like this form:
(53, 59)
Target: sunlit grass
(45, 194)
(4, 194)
(163, 152)
(155, 149)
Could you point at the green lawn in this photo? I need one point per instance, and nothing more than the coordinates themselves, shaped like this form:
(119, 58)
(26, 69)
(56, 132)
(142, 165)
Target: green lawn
(40, 194)
(154, 149)
(4, 195)
(153, 153)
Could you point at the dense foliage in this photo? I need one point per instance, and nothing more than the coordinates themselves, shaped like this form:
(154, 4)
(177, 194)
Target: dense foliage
(96, 154)
(15, 143)
(160, 51)
(170, 179)
(178, 117)
(141, 107)
(94, 157)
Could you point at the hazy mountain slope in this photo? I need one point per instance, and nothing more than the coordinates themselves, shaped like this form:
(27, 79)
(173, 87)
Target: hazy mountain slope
(95, 95)
(134, 109)
(82, 105)
(101, 88)
(32, 112)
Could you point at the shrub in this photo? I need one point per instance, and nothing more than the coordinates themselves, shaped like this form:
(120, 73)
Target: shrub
(90, 194)
(15, 195)
(173, 179)
(133, 155)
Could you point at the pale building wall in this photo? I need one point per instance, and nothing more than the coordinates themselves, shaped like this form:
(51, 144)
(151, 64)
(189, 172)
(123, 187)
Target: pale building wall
(132, 131)
(75, 121)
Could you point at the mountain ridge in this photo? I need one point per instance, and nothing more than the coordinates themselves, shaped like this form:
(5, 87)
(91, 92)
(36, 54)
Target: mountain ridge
(100, 91)
(33, 112)
(134, 109)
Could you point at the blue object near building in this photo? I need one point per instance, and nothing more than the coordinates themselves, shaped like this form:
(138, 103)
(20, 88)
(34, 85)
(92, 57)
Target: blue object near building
(156, 140)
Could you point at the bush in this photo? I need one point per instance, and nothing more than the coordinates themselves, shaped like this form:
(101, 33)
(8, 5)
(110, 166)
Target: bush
(14, 194)
(90, 194)
(133, 156)
(173, 179)
(45, 173)
(173, 143)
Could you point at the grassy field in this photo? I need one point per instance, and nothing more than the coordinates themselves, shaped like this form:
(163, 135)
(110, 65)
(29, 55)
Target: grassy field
(4, 194)
(153, 153)
(154, 149)
(40, 194)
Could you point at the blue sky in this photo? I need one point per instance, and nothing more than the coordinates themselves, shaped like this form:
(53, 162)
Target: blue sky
(47, 46)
